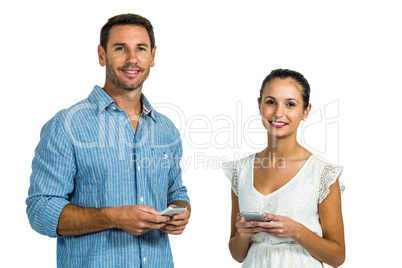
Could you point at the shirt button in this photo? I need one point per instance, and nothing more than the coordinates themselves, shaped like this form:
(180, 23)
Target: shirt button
(141, 199)
(166, 156)
(144, 259)
(138, 168)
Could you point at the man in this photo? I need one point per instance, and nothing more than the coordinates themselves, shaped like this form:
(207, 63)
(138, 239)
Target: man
(104, 167)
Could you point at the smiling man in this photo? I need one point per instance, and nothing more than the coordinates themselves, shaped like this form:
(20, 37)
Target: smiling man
(106, 166)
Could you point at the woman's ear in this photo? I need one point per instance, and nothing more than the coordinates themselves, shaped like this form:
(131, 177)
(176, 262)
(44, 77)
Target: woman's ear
(306, 111)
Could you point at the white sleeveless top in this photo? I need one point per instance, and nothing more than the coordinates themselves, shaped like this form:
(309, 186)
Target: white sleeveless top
(298, 199)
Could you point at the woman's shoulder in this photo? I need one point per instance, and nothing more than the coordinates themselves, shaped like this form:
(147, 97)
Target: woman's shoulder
(233, 170)
(242, 163)
(323, 162)
(328, 174)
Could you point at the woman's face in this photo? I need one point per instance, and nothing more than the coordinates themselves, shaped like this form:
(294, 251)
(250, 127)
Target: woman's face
(282, 107)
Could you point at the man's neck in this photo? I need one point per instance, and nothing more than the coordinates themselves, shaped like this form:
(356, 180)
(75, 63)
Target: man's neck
(129, 101)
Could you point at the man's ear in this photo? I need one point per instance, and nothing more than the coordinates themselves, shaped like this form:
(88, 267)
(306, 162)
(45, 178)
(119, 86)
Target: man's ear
(153, 56)
(101, 55)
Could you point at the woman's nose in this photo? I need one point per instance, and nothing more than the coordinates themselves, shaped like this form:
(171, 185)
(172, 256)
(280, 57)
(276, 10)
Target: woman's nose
(279, 111)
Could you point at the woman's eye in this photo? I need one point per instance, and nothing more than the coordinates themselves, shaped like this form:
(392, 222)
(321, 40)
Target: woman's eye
(270, 102)
(291, 104)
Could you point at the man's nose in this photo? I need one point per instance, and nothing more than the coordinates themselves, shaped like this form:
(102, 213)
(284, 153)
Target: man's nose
(132, 56)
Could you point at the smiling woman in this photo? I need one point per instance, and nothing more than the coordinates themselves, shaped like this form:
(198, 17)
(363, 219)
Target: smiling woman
(299, 196)
(284, 101)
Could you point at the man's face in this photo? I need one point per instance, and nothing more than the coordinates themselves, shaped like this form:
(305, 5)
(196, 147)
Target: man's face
(128, 57)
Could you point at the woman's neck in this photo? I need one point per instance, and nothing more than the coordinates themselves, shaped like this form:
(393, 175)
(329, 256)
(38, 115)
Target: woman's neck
(287, 148)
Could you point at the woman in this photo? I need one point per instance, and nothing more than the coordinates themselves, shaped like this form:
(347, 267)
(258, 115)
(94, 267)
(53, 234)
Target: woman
(298, 192)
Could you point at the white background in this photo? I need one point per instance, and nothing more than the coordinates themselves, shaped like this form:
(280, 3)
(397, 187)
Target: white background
(210, 61)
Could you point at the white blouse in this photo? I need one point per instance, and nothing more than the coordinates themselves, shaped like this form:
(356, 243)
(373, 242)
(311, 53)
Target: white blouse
(298, 199)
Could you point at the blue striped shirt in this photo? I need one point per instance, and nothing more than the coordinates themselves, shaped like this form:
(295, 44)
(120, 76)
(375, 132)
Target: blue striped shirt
(90, 156)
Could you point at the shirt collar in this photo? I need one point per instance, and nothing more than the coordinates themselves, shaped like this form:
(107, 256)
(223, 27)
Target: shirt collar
(99, 97)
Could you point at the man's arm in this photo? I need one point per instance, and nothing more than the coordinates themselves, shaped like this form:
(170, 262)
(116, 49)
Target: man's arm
(75, 220)
(52, 179)
(48, 206)
(177, 195)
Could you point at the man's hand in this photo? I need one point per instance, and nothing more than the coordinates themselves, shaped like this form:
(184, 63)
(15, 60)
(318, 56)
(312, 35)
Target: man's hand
(137, 220)
(177, 223)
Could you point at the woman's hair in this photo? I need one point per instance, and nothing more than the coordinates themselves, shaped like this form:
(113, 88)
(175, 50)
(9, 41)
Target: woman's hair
(286, 73)
(126, 19)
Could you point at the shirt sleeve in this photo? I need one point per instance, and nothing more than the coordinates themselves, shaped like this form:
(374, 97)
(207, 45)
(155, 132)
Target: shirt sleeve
(330, 174)
(52, 179)
(231, 172)
(176, 189)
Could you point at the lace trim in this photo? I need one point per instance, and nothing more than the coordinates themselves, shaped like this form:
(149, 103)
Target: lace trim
(329, 175)
(231, 172)
(235, 180)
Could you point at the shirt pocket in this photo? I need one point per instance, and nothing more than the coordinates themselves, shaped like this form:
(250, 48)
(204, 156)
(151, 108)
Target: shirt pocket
(160, 167)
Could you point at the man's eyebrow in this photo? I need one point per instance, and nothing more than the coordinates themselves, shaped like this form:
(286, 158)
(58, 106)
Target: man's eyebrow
(142, 45)
(124, 44)
(119, 44)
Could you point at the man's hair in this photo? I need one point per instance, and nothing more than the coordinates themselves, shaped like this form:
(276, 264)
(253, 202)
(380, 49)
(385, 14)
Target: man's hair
(286, 73)
(126, 19)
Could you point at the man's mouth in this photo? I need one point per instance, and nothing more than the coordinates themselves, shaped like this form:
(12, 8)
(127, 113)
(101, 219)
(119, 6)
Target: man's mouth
(130, 72)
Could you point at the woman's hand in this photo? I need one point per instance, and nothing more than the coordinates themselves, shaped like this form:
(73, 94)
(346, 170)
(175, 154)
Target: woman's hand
(278, 226)
(246, 229)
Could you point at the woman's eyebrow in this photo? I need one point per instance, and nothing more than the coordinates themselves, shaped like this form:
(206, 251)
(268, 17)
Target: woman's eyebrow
(292, 99)
(288, 99)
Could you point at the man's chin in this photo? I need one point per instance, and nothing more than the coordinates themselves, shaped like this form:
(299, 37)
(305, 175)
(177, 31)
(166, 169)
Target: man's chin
(127, 87)
(130, 88)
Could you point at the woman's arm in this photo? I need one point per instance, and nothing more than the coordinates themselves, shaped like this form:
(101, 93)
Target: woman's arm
(241, 231)
(330, 248)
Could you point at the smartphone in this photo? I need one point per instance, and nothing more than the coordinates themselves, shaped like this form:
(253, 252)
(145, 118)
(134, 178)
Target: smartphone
(253, 216)
(171, 211)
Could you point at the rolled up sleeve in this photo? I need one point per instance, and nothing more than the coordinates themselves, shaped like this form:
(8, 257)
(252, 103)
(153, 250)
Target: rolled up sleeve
(52, 179)
(176, 191)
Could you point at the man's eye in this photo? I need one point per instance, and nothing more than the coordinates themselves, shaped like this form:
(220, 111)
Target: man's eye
(120, 48)
(142, 48)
